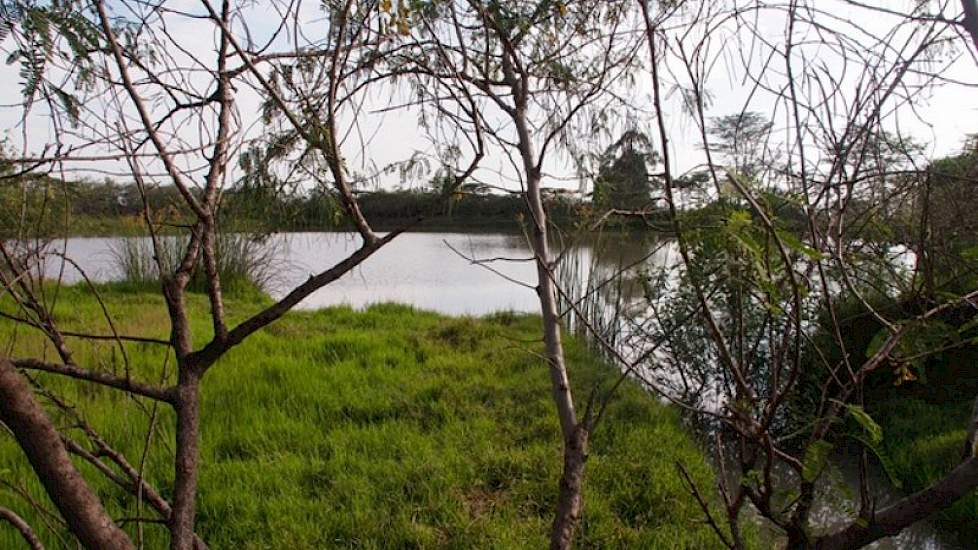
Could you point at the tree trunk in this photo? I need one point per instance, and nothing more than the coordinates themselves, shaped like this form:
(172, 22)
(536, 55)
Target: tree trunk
(570, 501)
(574, 436)
(547, 293)
(187, 461)
(41, 442)
(971, 19)
(897, 517)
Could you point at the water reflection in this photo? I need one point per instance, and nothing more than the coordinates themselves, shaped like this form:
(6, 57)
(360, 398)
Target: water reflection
(435, 271)
(420, 269)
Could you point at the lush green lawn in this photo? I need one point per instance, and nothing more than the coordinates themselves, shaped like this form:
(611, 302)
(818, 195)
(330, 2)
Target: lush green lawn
(389, 428)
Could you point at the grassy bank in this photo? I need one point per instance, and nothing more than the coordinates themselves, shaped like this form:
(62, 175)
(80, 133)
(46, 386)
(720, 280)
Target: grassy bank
(389, 428)
(925, 441)
(925, 427)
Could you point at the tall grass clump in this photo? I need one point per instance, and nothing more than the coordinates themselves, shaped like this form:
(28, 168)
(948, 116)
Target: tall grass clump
(245, 262)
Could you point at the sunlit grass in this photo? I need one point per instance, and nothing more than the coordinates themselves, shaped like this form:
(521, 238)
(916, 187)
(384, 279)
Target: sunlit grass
(388, 428)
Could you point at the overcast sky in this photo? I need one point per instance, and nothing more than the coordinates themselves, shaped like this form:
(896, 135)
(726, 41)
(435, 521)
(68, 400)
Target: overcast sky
(939, 119)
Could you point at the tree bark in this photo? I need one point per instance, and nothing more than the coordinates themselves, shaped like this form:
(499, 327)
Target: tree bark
(25, 530)
(971, 19)
(547, 290)
(187, 464)
(890, 521)
(46, 452)
(570, 501)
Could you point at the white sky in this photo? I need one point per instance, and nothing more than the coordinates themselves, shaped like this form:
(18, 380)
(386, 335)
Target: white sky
(941, 119)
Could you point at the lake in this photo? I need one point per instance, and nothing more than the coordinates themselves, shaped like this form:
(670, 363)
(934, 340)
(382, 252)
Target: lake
(433, 271)
(471, 274)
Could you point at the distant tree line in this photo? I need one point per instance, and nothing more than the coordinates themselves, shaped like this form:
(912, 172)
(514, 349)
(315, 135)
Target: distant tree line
(50, 203)
(320, 210)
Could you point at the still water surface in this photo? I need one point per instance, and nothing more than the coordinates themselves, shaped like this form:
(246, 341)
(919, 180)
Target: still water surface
(416, 268)
(432, 271)
(435, 271)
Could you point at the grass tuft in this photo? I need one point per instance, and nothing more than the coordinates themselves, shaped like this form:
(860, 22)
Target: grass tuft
(244, 262)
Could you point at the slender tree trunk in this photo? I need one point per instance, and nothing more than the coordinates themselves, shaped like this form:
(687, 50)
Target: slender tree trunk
(570, 501)
(574, 436)
(926, 260)
(547, 292)
(21, 526)
(187, 460)
(797, 531)
(45, 450)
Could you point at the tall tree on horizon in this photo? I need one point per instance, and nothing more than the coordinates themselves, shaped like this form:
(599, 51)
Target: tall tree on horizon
(623, 180)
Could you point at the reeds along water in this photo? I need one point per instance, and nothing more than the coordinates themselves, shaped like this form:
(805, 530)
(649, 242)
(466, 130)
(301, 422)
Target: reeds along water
(244, 261)
(605, 289)
(626, 298)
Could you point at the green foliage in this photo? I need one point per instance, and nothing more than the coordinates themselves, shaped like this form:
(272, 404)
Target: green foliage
(736, 259)
(870, 435)
(915, 426)
(52, 207)
(866, 422)
(109, 208)
(816, 458)
(468, 208)
(794, 244)
(388, 428)
(44, 32)
(925, 441)
(623, 180)
(910, 354)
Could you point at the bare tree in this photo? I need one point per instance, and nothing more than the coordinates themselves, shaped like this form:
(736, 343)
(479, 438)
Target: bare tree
(741, 139)
(527, 76)
(763, 288)
(124, 90)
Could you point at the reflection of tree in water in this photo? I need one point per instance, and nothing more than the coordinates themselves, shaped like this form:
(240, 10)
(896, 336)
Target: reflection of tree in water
(605, 277)
(637, 299)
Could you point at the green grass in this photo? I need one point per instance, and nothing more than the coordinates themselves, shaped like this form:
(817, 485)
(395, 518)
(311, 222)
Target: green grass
(388, 428)
(925, 441)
